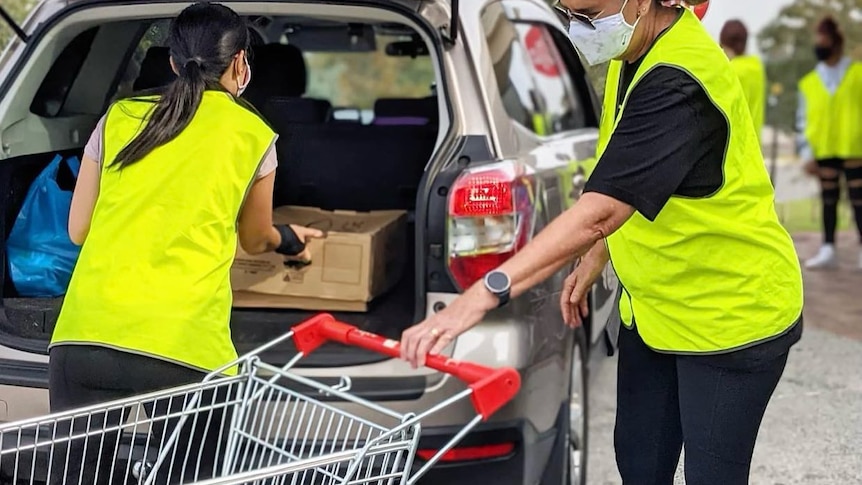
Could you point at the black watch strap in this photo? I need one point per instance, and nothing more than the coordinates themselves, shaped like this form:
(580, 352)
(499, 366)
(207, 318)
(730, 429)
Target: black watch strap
(503, 297)
(290, 243)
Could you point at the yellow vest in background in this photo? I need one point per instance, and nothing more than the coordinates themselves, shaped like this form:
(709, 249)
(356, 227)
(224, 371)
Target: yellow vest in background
(153, 276)
(716, 273)
(833, 122)
(752, 76)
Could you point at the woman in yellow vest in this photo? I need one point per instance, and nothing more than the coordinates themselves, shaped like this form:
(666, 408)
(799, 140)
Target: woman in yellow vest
(830, 123)
(749, 69)
(680, 202)
(168, 184)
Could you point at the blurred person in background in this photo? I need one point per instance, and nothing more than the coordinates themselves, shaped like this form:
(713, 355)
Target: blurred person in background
(829, 120)
(749, 69)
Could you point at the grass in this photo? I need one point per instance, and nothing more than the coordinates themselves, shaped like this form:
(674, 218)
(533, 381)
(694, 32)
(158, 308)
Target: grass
(804, 215)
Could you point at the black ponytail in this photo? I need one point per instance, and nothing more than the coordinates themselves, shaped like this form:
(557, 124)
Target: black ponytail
(204, 40)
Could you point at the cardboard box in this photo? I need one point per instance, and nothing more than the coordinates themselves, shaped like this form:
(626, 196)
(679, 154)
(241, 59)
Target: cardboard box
(362, 256)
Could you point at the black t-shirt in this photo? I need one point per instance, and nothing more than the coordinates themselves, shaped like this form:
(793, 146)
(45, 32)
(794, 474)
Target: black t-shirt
(671, 140)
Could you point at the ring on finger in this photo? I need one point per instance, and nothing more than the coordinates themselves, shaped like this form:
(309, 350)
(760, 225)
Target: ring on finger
(435, 332)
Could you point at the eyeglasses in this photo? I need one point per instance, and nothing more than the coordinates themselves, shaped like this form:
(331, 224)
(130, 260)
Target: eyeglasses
(570, 16)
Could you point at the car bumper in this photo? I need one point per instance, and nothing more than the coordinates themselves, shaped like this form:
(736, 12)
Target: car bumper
(525, 464)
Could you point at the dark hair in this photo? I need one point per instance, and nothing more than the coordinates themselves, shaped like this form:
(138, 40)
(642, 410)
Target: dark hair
(203, 41)
(734, 36)
(829, 27)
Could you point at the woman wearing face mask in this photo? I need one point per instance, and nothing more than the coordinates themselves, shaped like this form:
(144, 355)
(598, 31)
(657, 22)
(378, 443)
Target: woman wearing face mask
(830, 126)
(168, 182)
(681, 202)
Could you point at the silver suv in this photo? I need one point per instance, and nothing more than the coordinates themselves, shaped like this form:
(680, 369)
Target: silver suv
(416, 105)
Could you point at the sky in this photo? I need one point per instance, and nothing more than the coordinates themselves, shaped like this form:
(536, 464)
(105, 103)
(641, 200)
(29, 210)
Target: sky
(755, 14)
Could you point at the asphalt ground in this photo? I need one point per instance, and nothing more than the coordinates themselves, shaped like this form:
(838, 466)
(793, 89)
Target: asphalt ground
(812, 430)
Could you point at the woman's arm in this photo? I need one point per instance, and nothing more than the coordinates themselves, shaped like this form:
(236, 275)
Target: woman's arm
(256, 232)
(84, 200)
(574, 303)
(566, 238)
(802, 146)
(87, 186)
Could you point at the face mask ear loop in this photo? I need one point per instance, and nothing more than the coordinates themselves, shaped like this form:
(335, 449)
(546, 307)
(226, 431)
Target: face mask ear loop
(638, 16)
(242, 87)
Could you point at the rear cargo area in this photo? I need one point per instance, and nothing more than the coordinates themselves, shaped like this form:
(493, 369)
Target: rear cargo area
(327, 160)
(388, 314)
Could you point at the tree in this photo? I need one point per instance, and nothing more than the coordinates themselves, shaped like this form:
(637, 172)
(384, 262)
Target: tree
(787, 44)
(18, 9)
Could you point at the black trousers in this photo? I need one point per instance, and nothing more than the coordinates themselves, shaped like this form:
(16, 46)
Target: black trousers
(830, 193)
(85, 375)
(712, 405)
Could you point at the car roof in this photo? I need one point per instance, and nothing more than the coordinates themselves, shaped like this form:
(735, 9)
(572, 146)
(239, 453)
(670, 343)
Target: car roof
(407, 3)
(50, 6)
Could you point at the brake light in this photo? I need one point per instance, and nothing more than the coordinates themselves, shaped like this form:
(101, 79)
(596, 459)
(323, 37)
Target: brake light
(470, 453)
(492, 212)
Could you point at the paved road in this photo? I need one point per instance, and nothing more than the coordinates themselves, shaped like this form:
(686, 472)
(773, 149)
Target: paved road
(812, 430)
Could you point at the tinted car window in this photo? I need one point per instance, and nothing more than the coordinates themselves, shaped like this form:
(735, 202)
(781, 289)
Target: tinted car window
(52, 93)
(154, 36)
(534, 82)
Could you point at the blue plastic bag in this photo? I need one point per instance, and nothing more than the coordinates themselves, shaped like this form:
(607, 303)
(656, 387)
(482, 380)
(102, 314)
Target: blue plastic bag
(41, 255)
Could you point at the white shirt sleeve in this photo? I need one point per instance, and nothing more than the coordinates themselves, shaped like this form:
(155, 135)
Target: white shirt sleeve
(93, 149)
(802, 145)
(269, 164)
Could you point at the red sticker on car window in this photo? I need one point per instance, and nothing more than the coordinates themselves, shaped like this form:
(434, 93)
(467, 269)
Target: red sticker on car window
(540, 52)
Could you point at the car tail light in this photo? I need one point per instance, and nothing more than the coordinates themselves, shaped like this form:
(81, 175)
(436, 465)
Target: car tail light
(492, 212)
(470, 453)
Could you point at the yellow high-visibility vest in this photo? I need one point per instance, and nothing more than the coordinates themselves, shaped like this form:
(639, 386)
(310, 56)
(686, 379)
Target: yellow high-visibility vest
(153, 276)
(833, 122)
(752, 75)
(716, 273)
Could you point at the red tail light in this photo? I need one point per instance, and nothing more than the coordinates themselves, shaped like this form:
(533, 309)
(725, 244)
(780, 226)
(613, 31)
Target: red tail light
(492, 211)
(470, 453)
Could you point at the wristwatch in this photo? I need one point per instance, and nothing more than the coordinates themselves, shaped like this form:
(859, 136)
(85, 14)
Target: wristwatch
(500, 285)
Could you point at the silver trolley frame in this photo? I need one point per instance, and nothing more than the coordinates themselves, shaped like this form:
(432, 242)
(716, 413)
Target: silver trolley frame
(248, 422)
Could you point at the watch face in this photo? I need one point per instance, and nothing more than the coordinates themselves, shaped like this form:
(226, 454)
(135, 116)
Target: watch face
(497, 281)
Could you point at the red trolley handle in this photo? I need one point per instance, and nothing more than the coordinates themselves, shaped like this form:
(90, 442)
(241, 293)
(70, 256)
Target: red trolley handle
(492, 388)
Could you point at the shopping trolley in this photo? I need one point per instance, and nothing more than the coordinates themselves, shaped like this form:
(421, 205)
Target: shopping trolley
(248, 422)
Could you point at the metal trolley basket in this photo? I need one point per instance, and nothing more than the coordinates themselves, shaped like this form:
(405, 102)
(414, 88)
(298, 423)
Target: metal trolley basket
(248, 422)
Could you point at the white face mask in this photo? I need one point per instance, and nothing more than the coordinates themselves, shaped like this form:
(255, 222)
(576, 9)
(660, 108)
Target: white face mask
(608, 41)
(242, 87)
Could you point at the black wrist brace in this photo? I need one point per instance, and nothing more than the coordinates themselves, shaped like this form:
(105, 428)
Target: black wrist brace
(290, 243)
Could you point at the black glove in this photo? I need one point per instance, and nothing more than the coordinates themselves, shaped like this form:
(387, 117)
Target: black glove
(290, 243)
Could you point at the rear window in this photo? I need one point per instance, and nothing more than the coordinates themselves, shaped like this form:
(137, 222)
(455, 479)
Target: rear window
(358, 79)
(154, 35)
